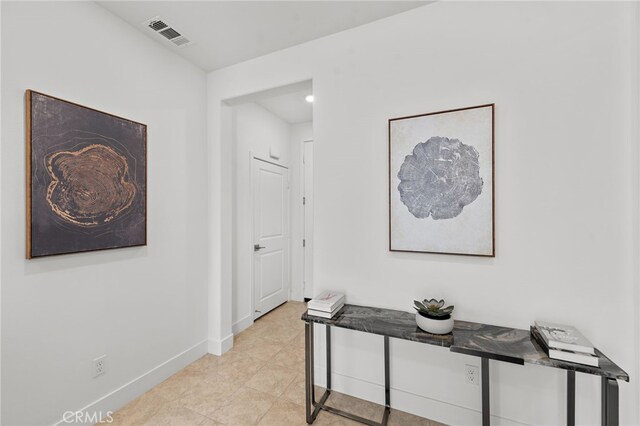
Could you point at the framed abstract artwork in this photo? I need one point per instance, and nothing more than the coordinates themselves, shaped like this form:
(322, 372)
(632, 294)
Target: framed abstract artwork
(441, 182)
(86, 178)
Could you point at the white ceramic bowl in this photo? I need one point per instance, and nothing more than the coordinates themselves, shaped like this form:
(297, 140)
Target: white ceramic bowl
(434, 326)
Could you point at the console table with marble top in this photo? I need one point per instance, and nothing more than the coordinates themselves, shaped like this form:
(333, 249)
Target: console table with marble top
(488, 342)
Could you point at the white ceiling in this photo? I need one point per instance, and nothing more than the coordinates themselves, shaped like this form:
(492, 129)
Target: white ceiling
(228, 32)
(287, 102)
(291, 107)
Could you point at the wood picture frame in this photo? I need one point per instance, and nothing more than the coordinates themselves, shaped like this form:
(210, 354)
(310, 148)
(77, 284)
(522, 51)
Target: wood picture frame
(442, 182)
(86, 178)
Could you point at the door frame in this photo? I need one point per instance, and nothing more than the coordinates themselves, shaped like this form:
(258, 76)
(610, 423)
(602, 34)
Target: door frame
(307, 250)
(252, 157)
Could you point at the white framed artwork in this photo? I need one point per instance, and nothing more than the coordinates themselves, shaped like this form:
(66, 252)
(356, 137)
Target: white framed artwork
(441, 182)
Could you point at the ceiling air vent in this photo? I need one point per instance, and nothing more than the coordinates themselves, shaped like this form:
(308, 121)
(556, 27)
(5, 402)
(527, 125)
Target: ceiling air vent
(181, 41)
(160, 26)
(170, 33)
(157, 25)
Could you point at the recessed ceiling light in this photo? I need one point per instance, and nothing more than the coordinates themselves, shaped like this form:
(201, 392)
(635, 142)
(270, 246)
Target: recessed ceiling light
(309, 98)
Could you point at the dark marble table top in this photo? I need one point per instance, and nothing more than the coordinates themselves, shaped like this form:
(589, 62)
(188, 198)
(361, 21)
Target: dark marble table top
(481, 340)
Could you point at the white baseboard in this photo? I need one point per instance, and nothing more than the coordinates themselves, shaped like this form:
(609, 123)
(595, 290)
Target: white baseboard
(136, 387)
(242, 325)
(218, 347)
(418, 405)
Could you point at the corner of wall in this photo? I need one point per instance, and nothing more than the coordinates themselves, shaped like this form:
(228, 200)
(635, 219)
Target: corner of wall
(0, 226)
(219, 347)
(635, 138)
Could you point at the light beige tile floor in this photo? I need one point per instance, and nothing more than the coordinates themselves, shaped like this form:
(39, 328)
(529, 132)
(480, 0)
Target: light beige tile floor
(259, 382)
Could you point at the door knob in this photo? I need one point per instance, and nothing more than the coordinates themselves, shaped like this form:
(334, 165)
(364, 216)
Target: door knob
(257, 247)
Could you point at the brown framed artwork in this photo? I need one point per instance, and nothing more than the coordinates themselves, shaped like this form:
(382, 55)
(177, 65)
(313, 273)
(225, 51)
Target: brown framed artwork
(441, 182)
(86, 178)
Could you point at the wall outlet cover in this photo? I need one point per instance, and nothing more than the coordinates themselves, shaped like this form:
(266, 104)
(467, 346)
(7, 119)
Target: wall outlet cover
(99, 366)
(472, 374)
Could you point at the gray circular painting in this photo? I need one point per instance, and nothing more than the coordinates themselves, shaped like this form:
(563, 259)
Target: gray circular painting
(440, 178)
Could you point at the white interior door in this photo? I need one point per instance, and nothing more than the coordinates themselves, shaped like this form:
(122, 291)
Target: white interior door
(270, 236)
(307, 163)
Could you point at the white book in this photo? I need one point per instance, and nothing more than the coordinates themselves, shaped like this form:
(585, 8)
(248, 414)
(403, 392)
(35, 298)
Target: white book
(323, 314)
(564, 355)
(558, 336)
(577, 357)
(326, 301)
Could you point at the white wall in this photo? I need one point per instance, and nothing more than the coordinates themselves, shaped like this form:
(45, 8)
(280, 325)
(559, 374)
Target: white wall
(300, 133)
(256, 131)
(0, 222)
(563, 77)
(145, 308)
(635, 159)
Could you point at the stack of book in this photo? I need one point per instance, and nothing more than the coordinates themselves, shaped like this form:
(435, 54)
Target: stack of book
(565, 343)
(326, 305)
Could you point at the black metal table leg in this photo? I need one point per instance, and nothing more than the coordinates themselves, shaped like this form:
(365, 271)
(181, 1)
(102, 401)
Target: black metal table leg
(609, 402)
(387, 383)
(486, 413)
(313, 407)
(328, 331)
(308, 371)
(571, 398)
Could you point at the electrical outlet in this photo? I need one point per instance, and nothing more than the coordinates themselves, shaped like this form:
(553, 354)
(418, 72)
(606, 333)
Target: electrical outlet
(99, 366)
(472, 374)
